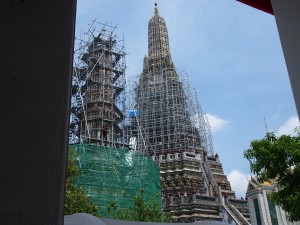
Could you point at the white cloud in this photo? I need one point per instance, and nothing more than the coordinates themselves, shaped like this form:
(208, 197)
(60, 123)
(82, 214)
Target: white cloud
(289, 126)
(216, 123)
(239, 182)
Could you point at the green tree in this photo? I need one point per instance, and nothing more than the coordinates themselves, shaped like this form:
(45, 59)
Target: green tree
(141, 211)
(278, 159)
(76, 200)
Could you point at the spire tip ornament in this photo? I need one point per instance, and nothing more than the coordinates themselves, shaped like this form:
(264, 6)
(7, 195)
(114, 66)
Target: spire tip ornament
(155, 9)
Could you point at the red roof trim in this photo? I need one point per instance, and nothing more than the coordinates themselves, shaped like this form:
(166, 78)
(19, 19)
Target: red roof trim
(264, 5)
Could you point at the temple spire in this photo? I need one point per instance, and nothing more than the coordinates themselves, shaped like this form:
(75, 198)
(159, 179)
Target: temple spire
(159, 56)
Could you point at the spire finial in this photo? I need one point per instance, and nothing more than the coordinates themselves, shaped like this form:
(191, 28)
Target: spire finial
(155, 8)
(266, 125)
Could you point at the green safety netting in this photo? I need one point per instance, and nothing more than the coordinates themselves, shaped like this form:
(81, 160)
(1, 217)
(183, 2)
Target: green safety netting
(116, 175)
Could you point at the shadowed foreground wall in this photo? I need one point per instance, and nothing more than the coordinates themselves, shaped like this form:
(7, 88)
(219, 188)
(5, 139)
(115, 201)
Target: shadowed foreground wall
(36, 63)
(287, 14)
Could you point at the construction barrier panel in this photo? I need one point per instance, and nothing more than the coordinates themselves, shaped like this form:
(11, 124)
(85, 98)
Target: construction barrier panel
(116, 175)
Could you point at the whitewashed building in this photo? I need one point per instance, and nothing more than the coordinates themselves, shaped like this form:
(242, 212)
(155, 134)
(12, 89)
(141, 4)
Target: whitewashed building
(262, 210)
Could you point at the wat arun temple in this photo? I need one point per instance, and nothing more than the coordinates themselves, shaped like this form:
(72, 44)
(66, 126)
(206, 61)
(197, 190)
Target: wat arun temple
(176, 134)
(161, 119)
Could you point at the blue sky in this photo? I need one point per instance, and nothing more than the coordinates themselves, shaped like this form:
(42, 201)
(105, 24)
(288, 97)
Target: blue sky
(233, 56)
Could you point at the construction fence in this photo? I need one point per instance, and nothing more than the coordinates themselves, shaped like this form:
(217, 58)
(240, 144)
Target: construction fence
(110, 174)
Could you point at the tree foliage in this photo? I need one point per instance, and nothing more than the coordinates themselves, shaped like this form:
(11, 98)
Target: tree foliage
(76, 200)
(278, 159)
(141, 211)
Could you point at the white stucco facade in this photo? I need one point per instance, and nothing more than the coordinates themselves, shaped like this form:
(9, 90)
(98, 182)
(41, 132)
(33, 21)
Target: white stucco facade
(262, 210)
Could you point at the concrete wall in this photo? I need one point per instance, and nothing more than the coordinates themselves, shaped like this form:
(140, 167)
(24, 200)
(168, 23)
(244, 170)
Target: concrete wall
(36, 63)
(287, 14)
